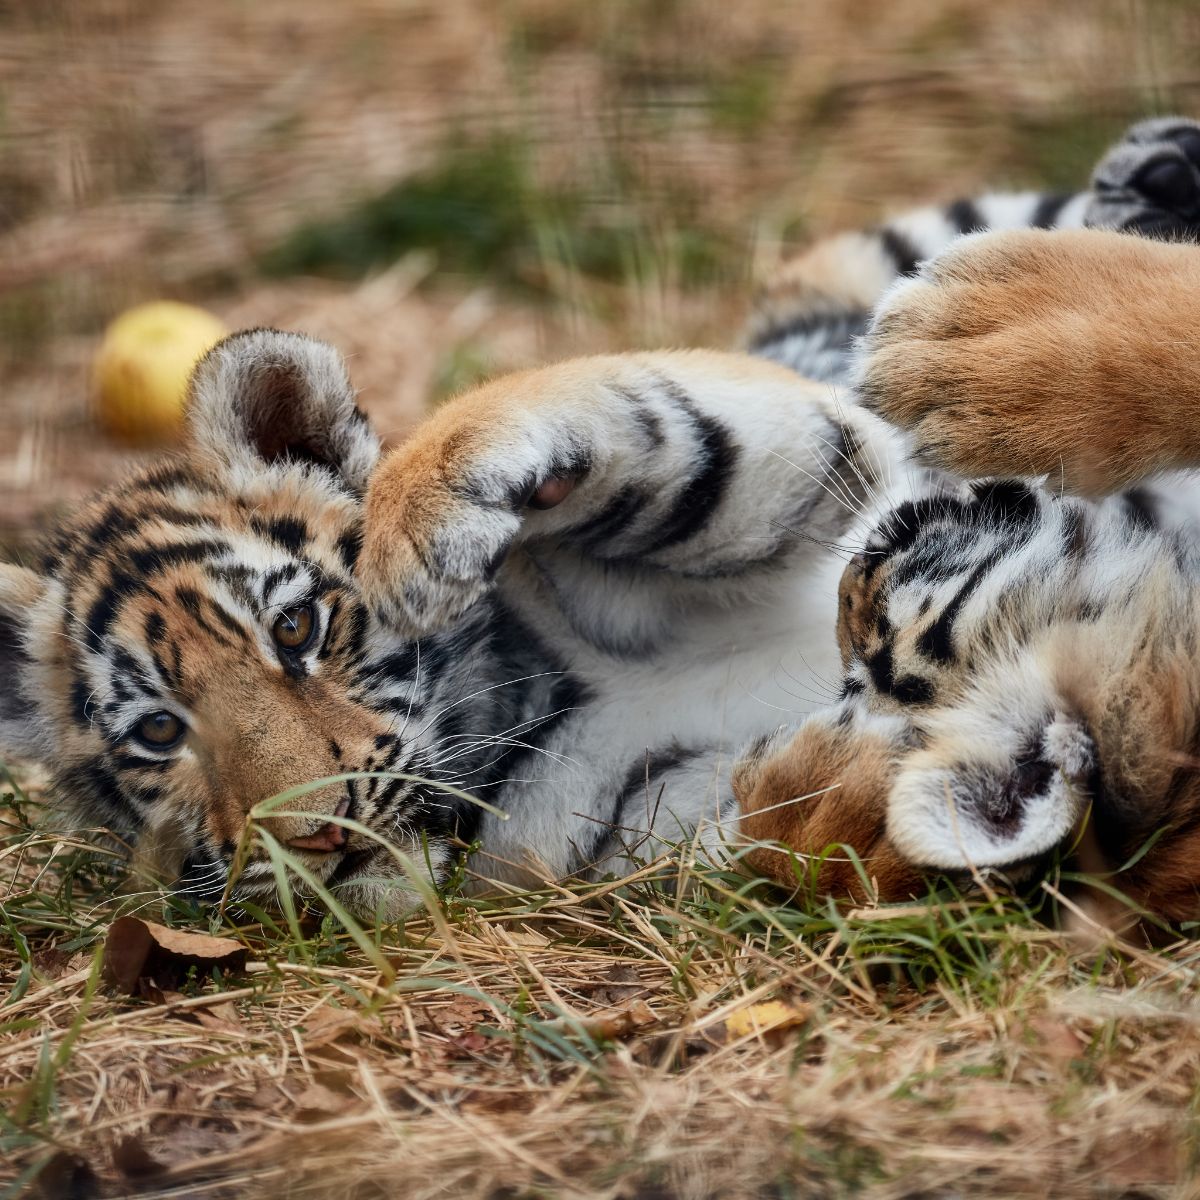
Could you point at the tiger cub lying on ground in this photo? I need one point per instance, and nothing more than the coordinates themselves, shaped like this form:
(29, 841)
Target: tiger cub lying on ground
(581, 592)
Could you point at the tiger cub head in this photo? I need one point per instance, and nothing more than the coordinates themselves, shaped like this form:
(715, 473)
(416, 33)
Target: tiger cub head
(192, 641)
(1032, 659)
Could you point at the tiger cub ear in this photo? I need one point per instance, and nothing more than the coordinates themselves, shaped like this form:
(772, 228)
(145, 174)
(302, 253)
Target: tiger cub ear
(23, 729)
(263, 398)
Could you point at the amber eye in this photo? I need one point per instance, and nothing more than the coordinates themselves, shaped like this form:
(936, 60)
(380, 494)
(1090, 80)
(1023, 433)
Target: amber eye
(293, 628)
(160, 730)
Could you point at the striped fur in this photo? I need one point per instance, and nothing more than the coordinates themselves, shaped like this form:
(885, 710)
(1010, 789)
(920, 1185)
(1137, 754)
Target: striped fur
(578, 593)
(1018, 666)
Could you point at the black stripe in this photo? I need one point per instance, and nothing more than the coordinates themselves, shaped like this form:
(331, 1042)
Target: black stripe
(1141, 508)
(239, 579)
(965, 217)
(115, 524)
(289, 532)
(1008, 501)
(193, 604)
(349, 546)
(638, 782)
(95, 789)
(126, 669)
(903, 253)
(902, 526)
(170, 675)
(1048, 210)
(912, 689)
(651, 426)
(348, 639)
(15, 663)
(837, 330)
(154, 559)
(882, 666)
(104, 610)
(647, 419)
(131, 762)
(277, 576)
(82, 707)
(170, 475)
(937, 642)
(702, 495)
(616, 516)
(1074, 532)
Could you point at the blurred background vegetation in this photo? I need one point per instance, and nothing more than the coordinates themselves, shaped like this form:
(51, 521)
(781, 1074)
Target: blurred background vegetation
(449, 188)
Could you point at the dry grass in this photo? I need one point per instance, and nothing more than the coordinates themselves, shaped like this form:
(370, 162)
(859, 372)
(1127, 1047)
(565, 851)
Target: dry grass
(586, 1042)
(675, 1036)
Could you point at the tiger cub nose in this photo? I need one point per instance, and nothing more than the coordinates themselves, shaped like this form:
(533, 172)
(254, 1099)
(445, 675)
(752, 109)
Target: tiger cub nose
(328, 838)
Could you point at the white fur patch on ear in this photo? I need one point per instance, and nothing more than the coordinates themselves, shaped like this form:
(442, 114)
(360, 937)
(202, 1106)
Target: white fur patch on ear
(1002, 777)
(23, 730)
(263, 397)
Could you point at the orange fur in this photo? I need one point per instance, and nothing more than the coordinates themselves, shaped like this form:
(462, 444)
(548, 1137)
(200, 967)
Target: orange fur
(825, 790)
(1067, 353)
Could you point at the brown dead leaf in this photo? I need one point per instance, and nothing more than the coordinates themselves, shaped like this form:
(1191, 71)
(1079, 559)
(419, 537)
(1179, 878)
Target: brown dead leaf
(51, 963)
(458, 1013)
(1150, 1158)
(220, 1016)
(326, 1027)
(471, 1043)
(135, 948)
(67, 1177)
(617, 985)
(678, 1047)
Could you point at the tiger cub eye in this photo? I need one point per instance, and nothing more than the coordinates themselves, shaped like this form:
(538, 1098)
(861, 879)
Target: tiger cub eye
(293, 628)
(160, 729)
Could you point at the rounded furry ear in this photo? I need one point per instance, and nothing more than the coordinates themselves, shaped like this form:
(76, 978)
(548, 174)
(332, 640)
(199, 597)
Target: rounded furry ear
(263, 398)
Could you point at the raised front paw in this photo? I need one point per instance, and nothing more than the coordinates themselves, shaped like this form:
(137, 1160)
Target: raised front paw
(1149, 182)
(444, 509)
(1042, 353)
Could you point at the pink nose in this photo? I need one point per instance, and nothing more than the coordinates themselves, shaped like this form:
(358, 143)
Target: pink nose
(327, 839)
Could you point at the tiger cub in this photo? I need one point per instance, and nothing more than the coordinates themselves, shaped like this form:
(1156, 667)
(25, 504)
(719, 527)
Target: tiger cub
(553, 619)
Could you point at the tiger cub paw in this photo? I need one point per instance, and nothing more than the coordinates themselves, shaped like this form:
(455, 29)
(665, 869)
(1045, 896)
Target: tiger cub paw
(1040, 353)
(1149, 182)
(428, 554)
(443, 511)
(813, 801)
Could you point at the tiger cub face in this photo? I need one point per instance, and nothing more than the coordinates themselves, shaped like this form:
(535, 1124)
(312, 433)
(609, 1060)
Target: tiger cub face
(194, 643)
(1032, 661)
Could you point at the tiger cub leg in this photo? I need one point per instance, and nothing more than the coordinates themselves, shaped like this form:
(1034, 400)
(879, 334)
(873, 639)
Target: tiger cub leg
(814, 803)
(692, 466)
(809, 313)
(1066, 354)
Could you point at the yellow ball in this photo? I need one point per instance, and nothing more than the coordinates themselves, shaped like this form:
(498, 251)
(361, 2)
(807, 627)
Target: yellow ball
(143, 366)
